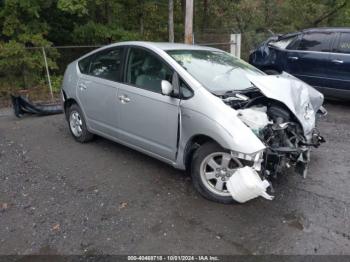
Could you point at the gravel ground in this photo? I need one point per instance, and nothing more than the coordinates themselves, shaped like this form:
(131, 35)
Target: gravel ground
(61, 197)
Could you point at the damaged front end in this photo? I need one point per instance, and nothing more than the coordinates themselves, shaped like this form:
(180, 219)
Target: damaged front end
(286, 145)
(282, 112)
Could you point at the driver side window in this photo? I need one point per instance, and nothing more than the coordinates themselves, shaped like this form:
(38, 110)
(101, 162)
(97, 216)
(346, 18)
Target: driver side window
(146, 71)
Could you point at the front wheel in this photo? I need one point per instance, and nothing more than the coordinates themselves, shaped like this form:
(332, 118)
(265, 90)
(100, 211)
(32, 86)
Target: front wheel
(212, 166)
(77, 125)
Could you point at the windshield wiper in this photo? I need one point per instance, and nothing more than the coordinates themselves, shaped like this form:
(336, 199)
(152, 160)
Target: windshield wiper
(238, 96)
(233, 92)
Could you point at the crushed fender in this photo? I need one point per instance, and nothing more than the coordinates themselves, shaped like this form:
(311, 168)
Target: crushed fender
(245, 184)
(22, 106)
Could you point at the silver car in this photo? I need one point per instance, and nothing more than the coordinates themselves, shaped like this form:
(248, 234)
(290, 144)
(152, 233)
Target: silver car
(196, 108)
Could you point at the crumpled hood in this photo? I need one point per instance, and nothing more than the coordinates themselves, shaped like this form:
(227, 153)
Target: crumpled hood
(303, 100)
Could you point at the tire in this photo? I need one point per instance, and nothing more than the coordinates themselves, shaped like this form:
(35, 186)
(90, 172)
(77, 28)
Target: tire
(201, 172)
(272, 72)
(77, 125)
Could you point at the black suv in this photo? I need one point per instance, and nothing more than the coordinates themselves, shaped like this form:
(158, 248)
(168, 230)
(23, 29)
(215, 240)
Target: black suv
(318, 56)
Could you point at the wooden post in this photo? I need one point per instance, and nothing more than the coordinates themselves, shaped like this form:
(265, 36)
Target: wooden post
(235, 47)
(189, 22)
(171, 21)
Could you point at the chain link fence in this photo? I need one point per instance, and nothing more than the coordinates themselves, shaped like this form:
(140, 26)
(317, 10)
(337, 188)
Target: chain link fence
(249, 40)
(37, 72)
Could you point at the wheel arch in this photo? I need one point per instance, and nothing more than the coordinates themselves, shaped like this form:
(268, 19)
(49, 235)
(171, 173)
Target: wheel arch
(192, 145)
(271, 68)
(68, 102)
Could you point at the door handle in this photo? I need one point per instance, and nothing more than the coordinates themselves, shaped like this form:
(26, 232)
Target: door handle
(293, 58)
(124, 99)
(82, 86)
(336, 61)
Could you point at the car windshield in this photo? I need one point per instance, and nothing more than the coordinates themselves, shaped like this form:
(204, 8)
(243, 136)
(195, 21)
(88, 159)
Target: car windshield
(217, 71)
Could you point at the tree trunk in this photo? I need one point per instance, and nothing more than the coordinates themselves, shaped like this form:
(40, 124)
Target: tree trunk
(171, 21)
(141, 16)
(189, 22)
(205, 18)
(183, 9)
(108, 9)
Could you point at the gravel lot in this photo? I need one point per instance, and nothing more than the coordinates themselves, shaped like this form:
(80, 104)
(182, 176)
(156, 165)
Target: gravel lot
(61, 197)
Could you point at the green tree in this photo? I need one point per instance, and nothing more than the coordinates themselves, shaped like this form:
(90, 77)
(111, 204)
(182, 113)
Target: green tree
(22, 27)
(37, 23)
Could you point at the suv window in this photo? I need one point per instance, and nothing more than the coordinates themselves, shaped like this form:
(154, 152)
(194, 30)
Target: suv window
(344, 43)
(145, 70)
(316, 42)
(283, 43)
(107, 64)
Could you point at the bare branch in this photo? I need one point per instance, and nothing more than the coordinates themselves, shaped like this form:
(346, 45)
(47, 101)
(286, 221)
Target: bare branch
(326, 15)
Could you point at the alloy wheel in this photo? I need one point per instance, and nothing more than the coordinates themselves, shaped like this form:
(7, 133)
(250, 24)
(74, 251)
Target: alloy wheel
(216, 169)
(76, 124)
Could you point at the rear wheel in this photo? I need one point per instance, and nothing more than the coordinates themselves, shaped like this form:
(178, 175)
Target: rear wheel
(212, 166)
(77, 125)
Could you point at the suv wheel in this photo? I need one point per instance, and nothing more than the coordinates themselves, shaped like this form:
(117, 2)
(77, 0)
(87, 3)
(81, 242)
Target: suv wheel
(77, 125)
(212, 166)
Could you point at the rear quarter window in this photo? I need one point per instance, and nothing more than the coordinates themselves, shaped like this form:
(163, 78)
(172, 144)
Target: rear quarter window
(344, 43)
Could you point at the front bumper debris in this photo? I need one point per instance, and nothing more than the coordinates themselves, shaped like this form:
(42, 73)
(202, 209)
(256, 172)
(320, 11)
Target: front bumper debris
(245, 184)
(22, 106)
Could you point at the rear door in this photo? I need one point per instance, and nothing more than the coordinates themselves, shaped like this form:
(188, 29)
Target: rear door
(148, 119)
(310, 57)
(339, 68)
(98, 88)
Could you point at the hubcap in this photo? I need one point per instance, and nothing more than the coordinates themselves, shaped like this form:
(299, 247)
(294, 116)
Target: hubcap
(215, 171)
(76, 124)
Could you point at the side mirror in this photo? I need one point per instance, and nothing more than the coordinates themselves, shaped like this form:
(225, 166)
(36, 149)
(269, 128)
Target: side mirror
(167, 88)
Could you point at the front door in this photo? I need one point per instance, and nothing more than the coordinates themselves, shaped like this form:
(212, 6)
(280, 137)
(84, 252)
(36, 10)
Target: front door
(310, 58)
(148, 119)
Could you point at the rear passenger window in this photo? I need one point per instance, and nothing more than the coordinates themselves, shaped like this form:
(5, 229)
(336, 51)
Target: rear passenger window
(107, 64)
(320, 42)
(344, 43)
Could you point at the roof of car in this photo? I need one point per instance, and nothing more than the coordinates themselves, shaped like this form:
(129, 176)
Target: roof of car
(160, 45)
(316, 30)
(327, 29)
(166, 45)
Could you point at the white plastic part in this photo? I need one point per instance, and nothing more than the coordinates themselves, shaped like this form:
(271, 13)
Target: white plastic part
(245, 184)
(254, 117)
